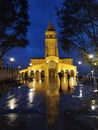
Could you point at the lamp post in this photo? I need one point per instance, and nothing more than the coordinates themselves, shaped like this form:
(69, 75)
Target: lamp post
(79, 63)
(12, 60)
(30, 75)
(91, 57)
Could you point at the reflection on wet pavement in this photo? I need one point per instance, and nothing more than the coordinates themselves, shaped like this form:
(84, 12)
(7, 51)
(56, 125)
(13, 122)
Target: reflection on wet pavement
(39, 105)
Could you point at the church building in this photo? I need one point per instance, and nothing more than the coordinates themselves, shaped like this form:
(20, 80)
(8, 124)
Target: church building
(51, 64)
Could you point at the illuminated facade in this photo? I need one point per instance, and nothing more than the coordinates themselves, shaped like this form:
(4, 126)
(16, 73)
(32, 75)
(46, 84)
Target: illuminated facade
(51, 64)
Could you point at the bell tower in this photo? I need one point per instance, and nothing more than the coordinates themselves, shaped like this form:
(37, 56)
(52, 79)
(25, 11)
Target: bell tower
(51, 48)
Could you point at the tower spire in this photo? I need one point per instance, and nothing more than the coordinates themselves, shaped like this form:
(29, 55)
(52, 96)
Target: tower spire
(50, 26)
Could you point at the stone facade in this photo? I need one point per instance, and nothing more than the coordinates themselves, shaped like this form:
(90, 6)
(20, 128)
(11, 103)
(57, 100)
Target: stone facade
(51, 64)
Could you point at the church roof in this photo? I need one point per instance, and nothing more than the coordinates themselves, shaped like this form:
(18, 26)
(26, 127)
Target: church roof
(50, 27)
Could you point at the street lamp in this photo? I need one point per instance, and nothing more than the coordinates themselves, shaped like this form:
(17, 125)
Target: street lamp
(91, 56)
(30, 64)
(79, 63)
(12, 60)
(19, 67)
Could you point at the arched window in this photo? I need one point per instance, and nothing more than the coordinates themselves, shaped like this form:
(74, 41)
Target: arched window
(72, 73)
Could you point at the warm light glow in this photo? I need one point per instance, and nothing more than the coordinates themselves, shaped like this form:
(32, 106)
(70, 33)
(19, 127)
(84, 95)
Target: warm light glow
(51, 64)
(71, 81)
(11, 117)
(91, 56)
(93, 104)
(93, 107)
(12, 103)
(30, 64)
(93, 101)
(95, 63)
(30, 97)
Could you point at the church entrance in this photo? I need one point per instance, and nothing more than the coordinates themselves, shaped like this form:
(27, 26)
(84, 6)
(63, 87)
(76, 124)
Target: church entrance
(51, 73)
(52, 69)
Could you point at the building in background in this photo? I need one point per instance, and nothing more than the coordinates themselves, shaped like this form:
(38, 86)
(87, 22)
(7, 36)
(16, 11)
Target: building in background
(51, 64)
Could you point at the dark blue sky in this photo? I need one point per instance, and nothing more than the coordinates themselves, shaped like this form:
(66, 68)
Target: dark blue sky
(39, 13)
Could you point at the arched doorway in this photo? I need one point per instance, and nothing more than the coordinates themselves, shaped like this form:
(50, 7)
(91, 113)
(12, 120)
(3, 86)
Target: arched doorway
(37, 74)
(72, 73)
(42, 73)
(51, 72)
(52, 69)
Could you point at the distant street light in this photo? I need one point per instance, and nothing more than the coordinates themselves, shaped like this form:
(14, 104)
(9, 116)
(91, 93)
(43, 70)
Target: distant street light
(95, 64)
(19, 67)
(30, 64)
(12, 60)
(79, 62)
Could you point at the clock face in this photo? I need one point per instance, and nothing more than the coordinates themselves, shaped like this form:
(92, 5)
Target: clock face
(52, 64)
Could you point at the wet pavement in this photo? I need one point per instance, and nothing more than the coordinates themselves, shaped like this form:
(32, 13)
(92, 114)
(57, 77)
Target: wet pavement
(38, 105)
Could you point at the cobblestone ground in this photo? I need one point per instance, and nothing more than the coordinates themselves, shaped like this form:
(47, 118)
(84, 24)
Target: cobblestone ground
(39, 105)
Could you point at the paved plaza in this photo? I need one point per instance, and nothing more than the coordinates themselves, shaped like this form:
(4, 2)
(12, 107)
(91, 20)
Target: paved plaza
(39, 105)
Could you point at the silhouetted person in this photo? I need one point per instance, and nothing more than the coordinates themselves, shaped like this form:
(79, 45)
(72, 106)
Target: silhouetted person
(26, 76)
(60, 77)
(68, 78)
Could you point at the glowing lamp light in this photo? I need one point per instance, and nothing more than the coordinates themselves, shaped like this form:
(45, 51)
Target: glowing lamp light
(79, 62)
(19, 66)
(91, 56)
(92, 71)
(30, 64)
(95, 63)
(93, 104)
(93, 107)
(12, 59)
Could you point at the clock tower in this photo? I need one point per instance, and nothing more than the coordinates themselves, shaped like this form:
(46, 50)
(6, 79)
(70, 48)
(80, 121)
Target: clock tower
(51, 64)
(51, 48)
